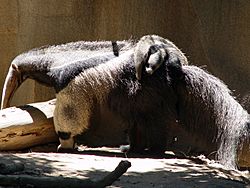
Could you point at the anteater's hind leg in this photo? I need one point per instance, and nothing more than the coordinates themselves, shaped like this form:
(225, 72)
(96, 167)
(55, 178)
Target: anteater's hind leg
(137, 140)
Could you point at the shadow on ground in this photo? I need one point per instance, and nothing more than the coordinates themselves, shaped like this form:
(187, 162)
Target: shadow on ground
(146, 171)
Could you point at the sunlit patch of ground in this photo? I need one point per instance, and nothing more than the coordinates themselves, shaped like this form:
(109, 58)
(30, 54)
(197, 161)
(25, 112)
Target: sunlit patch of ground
(144, 172)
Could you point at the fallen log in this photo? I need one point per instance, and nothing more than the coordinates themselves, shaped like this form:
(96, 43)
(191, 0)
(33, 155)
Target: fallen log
(40, 182)
(32, 125)
(26, 126)
(9, 168)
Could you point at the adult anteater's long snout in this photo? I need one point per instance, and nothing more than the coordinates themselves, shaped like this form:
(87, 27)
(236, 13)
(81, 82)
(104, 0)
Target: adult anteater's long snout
(12, 82)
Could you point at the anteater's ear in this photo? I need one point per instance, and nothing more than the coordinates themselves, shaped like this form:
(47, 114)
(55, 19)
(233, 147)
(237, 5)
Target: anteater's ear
(157, 55)
(149, 58)
(174, 67)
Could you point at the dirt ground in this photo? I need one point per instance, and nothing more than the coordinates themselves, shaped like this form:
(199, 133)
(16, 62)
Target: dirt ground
(146, 172)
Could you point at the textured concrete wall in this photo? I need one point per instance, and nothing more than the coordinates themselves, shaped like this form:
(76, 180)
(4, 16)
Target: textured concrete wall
(215, 33)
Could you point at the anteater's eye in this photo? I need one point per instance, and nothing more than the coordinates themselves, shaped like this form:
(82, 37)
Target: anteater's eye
(153, 67)
(153, 49)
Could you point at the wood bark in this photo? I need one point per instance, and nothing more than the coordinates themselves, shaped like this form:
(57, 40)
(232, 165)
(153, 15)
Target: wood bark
(26, 126)
(9, 168)
(42, 182)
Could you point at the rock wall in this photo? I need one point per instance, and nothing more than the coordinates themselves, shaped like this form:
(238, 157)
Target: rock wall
(213, 33)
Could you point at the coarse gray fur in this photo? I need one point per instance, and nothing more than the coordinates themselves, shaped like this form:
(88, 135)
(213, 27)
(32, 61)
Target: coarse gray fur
(207, 110)
(174, 97)
(143, 107)
(151, 51)
(57, 65)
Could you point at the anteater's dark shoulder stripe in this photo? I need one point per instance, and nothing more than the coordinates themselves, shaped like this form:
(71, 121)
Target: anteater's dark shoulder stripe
(115, 48)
